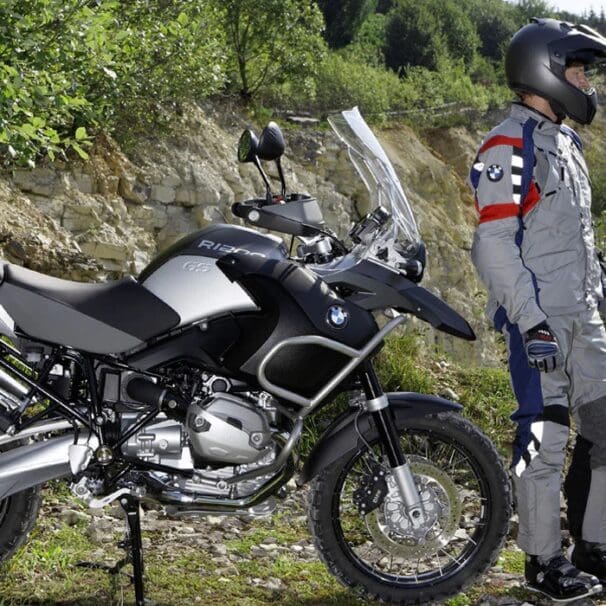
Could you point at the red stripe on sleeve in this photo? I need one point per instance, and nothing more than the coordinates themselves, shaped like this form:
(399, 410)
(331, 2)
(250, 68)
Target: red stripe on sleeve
(501, 140)
(492, 212)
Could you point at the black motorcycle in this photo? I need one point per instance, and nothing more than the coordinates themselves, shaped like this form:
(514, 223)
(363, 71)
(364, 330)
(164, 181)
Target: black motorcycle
(190, 386)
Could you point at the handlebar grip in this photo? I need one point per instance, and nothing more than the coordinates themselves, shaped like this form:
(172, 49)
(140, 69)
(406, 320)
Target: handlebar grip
(238, 210)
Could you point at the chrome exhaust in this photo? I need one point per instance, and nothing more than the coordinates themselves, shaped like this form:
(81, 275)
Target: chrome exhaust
(12, 386)
(36, 429)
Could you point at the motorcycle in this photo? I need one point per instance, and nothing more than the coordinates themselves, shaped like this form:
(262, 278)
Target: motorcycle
(190, 385)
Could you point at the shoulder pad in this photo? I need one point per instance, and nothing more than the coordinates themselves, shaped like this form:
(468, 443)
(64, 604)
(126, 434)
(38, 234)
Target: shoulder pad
(572, 134)
(509, 132)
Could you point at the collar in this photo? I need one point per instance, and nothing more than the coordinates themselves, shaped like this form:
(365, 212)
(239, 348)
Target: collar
(545, 125)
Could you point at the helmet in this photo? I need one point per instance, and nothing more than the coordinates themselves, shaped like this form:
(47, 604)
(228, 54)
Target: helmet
(537, 57)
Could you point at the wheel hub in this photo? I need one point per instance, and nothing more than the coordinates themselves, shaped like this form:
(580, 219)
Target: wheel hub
(391, 527)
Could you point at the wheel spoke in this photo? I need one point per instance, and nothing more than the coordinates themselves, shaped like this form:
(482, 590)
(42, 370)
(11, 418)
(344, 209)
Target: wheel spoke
(385, 542)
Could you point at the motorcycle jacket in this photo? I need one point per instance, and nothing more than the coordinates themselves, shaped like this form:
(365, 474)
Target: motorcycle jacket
(534, 245)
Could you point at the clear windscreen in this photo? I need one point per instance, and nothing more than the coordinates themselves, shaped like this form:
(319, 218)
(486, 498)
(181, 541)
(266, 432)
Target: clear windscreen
(379, 176)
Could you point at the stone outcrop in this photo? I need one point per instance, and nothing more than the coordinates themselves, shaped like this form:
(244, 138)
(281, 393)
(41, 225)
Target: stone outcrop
(110, 215)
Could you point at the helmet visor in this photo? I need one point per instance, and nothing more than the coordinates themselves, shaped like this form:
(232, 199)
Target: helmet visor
(581, 45)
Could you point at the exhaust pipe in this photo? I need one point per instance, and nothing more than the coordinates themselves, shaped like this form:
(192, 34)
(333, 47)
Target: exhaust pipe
(14, 387)
(36, 463)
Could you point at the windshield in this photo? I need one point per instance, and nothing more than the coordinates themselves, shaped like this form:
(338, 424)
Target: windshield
(380, 178)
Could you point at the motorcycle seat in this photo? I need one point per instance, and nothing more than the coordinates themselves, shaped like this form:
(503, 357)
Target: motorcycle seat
(104, 318)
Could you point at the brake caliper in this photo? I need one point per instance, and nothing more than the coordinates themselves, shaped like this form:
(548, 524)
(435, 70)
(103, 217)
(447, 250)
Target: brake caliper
(372, 490)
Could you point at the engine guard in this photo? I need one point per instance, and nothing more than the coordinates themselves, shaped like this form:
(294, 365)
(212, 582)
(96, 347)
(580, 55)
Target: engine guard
(343, 434)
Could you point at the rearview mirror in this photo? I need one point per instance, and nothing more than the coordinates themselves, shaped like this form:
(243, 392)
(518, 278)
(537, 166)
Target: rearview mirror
(247, 146)
(271, 143)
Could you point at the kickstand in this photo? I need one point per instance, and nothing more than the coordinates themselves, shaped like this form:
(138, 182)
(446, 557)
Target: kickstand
(133, 546)
(133, 542)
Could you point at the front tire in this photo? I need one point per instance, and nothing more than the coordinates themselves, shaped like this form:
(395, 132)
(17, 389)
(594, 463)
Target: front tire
(381, 555)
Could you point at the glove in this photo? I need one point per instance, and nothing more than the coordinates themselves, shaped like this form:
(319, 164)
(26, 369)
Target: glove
(542, 349)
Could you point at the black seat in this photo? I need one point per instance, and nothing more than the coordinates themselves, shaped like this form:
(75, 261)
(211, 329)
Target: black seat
(109, 317)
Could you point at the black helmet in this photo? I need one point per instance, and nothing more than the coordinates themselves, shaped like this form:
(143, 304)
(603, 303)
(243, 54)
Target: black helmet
(538, 55)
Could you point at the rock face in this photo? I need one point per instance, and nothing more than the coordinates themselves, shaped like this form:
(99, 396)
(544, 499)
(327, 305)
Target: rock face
(110, 215)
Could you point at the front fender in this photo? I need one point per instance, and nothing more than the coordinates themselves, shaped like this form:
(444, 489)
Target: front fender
(343, 435)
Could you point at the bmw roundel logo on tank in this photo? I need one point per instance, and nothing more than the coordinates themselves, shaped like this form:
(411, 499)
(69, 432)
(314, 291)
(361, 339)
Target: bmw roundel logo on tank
(337, 316)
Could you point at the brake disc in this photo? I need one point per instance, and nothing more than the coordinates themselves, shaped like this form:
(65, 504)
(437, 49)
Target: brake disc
(391, 528)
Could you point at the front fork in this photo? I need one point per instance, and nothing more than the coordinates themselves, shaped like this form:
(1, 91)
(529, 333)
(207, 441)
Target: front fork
(377, 404)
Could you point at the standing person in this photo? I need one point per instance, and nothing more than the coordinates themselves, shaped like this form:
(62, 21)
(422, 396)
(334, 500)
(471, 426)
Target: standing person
(534, 250)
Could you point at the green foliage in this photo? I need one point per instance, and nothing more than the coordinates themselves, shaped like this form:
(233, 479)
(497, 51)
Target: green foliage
(69, 64)
(595, 154)
(413, 37)
(512, 561)
(343, 19)
(271, 42)
(527, 9)
(488, 401)
(399, 368)
(496, 22)
(342, 82)
(422, 34)
(129, 67)
(369, 43)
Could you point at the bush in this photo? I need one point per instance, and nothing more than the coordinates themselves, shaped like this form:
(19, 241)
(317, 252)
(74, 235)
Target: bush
(70, 64)
(343, 82)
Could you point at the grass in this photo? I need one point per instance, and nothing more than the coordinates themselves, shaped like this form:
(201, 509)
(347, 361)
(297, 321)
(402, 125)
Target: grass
(402, 367)
(45, 572)
(512, 561)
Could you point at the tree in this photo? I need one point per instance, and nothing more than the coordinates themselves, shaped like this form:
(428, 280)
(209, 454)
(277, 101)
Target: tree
(421, 33)
(343, 19)
(496, 22)
(369, 43)
(412, 37)
(527, 9)
(270, 41)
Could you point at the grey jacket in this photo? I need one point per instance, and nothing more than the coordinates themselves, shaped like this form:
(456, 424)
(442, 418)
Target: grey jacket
(534, 244)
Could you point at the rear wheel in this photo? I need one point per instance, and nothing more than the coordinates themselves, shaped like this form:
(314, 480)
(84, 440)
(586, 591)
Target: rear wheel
(18, 514)
(384, 554)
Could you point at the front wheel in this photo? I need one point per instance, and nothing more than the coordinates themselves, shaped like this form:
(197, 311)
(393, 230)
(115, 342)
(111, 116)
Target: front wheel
(381, 552)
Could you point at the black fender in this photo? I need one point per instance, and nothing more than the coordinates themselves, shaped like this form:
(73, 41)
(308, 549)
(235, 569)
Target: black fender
(343, 435)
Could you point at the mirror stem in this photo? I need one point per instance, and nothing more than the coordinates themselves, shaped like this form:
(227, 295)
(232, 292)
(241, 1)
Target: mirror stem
(265, 179)
(279, 165)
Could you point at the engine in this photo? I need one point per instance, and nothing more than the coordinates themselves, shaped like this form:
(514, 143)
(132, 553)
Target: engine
(220, 428)
(212, 429)
(227, 429)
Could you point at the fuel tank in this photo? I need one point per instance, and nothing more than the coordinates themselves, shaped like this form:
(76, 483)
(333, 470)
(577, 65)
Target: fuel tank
(186, 276)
